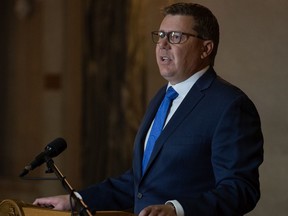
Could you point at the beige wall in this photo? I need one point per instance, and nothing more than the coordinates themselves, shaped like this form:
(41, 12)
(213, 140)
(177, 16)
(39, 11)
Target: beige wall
(43, 91)
(252, 54)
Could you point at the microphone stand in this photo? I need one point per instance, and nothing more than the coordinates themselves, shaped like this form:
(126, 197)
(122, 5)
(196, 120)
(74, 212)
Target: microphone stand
(81, 207)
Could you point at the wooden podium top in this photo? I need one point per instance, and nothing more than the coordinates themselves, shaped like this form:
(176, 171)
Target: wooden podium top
(9, 207)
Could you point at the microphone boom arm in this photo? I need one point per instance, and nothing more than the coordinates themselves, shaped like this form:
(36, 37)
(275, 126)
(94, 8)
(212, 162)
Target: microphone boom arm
(79, 203)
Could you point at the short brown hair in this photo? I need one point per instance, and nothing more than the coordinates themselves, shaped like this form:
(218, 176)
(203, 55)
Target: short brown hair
(207, 25)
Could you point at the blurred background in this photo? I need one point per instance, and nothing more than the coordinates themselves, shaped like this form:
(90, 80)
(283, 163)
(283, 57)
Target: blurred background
(84, 70)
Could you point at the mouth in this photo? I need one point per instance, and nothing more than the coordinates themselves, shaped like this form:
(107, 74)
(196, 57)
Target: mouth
(165, 59)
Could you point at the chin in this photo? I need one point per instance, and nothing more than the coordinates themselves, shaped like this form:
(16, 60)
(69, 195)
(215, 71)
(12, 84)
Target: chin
(166, 71)
(167, 76)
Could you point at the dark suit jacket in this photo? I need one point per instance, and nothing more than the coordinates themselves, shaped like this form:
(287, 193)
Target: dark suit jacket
(207, 157)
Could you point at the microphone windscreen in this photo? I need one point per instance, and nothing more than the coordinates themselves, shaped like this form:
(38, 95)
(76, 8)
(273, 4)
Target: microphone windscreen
(57, 146)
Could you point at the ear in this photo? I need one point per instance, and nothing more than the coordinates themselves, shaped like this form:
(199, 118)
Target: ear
(207, 48)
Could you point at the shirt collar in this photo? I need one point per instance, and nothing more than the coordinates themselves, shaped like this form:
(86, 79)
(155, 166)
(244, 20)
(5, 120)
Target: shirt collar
(183, 88)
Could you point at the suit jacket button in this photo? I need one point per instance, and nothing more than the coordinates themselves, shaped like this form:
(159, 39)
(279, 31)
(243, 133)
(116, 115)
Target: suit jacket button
(139, 195)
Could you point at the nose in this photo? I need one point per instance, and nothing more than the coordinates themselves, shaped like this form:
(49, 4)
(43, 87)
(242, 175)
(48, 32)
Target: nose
(163, 43)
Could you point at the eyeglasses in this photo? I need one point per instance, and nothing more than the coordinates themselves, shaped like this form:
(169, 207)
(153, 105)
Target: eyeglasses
(174, 37)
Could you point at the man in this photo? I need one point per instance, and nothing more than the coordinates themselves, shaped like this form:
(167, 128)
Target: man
(206, 159)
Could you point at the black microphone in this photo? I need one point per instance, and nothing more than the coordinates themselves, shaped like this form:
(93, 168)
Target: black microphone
(53, 149)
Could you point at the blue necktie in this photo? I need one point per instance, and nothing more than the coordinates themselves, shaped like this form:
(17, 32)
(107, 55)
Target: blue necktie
(158, 124)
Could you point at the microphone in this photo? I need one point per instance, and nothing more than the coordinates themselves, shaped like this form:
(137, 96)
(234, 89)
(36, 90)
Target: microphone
(53, 149)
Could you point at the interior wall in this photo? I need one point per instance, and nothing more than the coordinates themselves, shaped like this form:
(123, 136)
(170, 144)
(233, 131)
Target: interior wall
(3, 69)
(41, 98)
(22, 88)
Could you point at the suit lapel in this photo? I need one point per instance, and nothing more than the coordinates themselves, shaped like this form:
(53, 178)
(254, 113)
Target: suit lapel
(183, 110)
(191, 100)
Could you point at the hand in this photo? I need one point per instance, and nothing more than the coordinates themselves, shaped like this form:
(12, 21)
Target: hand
(159, 210)
(61, 202)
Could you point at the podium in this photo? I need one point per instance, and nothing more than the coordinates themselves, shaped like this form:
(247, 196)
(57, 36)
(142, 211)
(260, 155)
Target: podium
(9, 207)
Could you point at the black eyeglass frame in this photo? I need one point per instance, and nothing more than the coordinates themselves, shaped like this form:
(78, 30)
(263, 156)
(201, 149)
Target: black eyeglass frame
(156, 33)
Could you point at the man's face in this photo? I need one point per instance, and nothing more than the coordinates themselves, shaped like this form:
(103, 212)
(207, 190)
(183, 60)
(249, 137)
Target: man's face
(177, 62)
